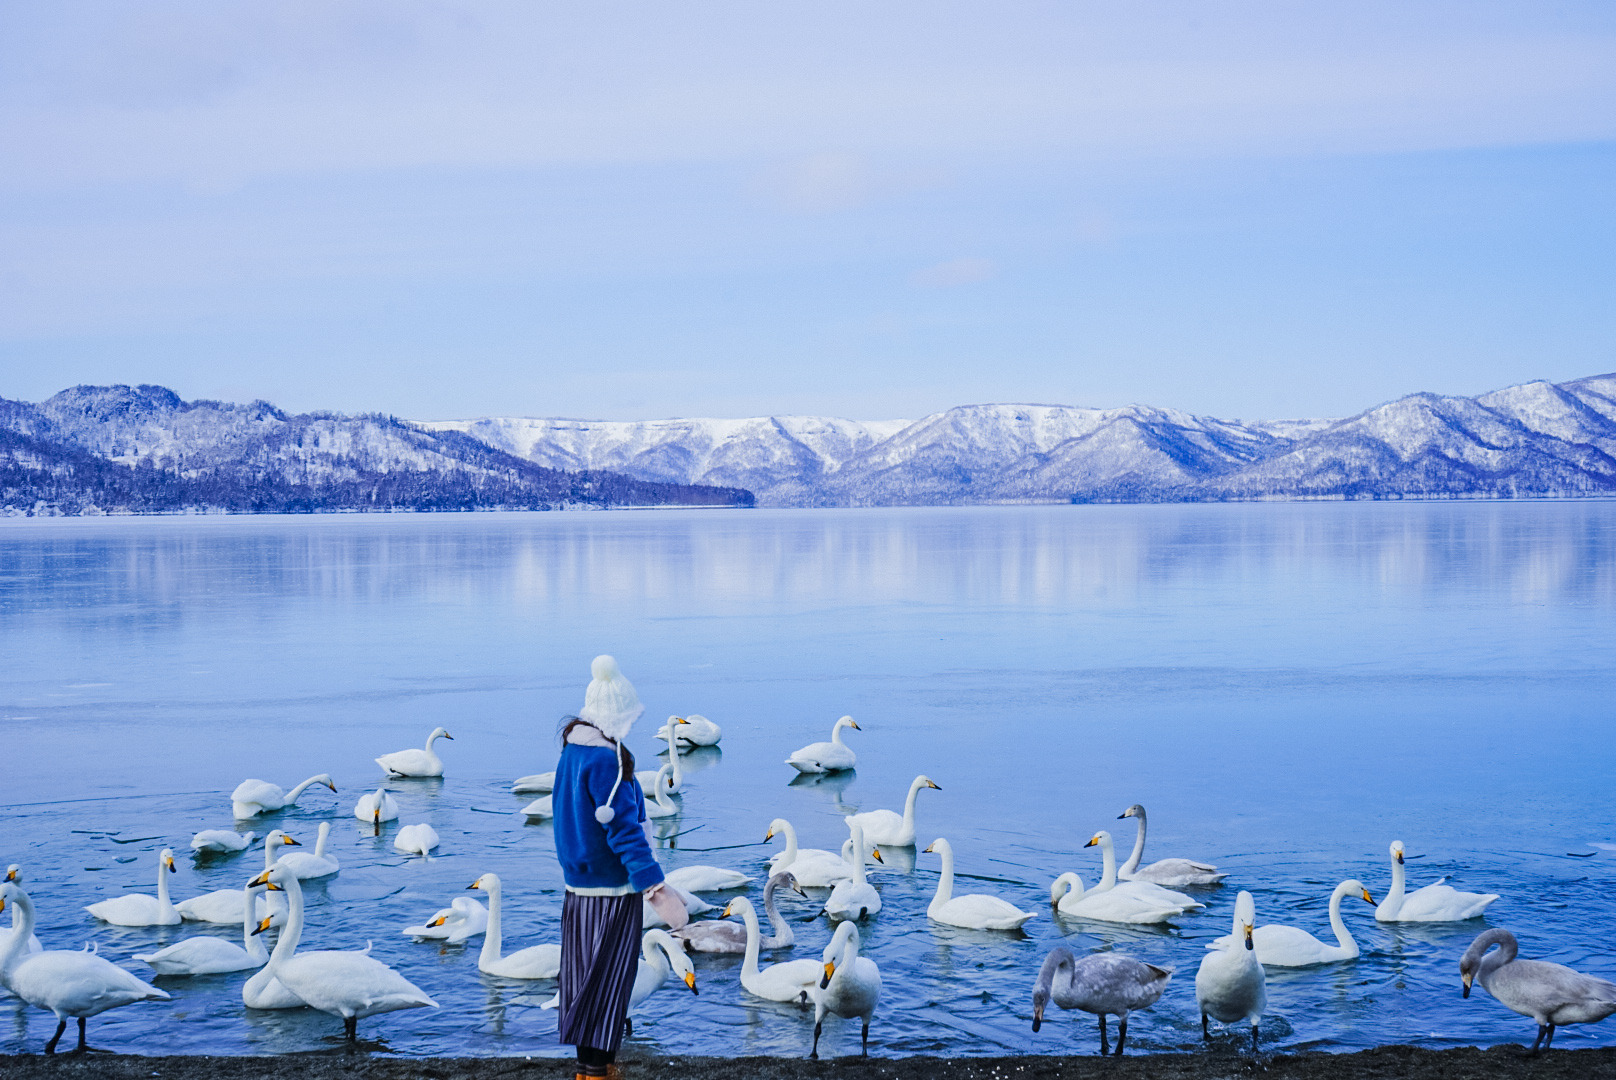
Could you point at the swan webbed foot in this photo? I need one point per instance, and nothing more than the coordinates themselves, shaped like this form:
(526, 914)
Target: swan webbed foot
(61, 1026)
(1122, 1034)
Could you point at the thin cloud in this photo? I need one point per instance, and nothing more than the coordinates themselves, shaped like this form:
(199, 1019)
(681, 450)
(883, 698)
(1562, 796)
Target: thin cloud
(954, 272)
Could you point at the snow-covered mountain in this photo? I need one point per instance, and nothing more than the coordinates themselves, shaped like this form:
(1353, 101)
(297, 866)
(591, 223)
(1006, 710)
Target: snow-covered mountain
(1538, 439)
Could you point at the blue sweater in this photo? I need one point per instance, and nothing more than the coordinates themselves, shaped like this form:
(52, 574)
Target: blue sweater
(592, 855)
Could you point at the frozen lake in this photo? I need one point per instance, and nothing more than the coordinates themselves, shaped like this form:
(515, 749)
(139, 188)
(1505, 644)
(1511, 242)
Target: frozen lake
(1287, 688)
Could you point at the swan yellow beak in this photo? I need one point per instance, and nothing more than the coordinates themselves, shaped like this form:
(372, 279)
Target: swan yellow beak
(272, 887)
(11, 875)
(262, 926)
(2, 903)
(439, 921)
(476, 884)
(1367, 898)
(933, 786)
(681, 719)
(1399, 858)
(854, 725)
(875, 853)
(830, 969)
(768, 836)
(690, 979)
(261, 879)
(1092, 842)
(726, 911)
(1249, 943)
(169, 862)
(448, 736)
(289, 842)
(332, 786)
(928, 848)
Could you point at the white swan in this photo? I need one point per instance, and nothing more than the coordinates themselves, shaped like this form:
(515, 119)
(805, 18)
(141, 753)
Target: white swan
(533, 962)
(1434, 903)
(662, 806)
(889, 828)
(854, 898)
(830, 756)
(693, 730)
(1551, 994)
(253, 797)
(224, 905)
(694, 905)
(812, 867)
(313, 864)
(535, 784)
(540, 809)
(973, 911)
(1230, 985)
(1067, 897)
(14, 874)
(674, 782)
(1291, 946)
(416, 840)
(1143, 889)
(208, 955)
(1170, 872)
(660, 956)
(375, 807)
(851, 985)
(789, 980)
(425, 762)
(221, 840)
(462, 920)
(352, 985)
(73, 985)
(714, 936)
(706, 879)
(138, 909)
(1105, 984)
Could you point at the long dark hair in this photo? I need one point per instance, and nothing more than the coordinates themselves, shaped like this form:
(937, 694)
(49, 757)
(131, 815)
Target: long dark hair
(625, 754)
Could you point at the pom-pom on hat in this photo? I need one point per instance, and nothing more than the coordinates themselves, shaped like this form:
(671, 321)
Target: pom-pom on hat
(610, 703)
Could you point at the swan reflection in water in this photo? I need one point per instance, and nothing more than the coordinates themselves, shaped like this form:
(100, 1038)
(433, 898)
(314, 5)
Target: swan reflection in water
(833, 784)
(697, 759)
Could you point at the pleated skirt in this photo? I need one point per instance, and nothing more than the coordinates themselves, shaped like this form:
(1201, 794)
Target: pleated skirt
(600, 950)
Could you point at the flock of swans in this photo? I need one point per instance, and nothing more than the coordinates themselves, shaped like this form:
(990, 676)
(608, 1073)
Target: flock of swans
(1230, 983)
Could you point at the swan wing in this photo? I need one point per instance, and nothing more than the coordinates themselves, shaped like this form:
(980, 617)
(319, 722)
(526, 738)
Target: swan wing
(307, 865)
(789, 980)
(1113, 983)
(1289, 946)
(713, 936)
(1443, 903)
(139, 910)
(536, 784)
(78, 983)
(533, 962)
(1158, 896)
(706, 878)
(1177, 872)
(261, 792)
(1110, 907)
(982, 912)
(350, 984)
(413, 762)
(539, 809)
(198, 956)
(218, 906)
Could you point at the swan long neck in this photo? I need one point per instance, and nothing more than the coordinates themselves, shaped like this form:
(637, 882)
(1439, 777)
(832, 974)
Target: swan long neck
(945, 883)
(909, 803)
(272, 848)
(776, 922)
(754, 941)
(319, 845)
(1490, 962)
(791, 844)
(292, 932)
(1342, 936)
(858, 854)
(1108, 852)
(673, 757)
(836, 732)
(162, 882)
(1066, 883)
(492, 942)
(253, 943)
(293, 795)
(1138, 854)
(22, 928)
(1059, 957)
(1394, 896)
(655, 940)
(432, 738)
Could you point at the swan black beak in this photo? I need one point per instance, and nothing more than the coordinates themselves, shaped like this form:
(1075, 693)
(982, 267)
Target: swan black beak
(448, 736)
(1038, 1016)
(439, 921)
(11, 875)
(830, 969)
(1367, 898)
(1119, 818)
(1250, 945)
(261, 927)
(934, 787)
(289, 842)
(170, 864)
(1092, 842)
(1466, 977)
(690, 981)
(261, 879)
(332, 786)
(1399, 858)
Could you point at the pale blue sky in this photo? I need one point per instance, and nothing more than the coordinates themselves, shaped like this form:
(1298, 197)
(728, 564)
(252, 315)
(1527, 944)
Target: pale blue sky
(627, 210)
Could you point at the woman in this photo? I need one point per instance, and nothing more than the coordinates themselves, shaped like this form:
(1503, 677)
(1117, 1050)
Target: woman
(608, 866)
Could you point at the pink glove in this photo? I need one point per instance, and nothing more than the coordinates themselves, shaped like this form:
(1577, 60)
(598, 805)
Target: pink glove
(668, 905)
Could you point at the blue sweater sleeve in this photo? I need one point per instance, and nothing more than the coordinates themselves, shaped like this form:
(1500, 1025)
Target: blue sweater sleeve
(624, 833)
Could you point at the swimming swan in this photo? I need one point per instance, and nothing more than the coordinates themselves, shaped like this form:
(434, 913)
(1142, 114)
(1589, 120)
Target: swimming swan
(138, 909)
(224, 905)
(1291, 946)
(73, 985)
(1105, 984)
(812, 867)
(221, 840)
(674, 781)
(851, 985)
(1143, 889)
(693, 730)
(533, 962)
(1171, 872)
(208, 955)
(463, 919)
(706, 879)
(316, 864)
(830, 756)
(535, 784)
(375, 807)
(416, 840)
(14, 874)
(660, 957)
(1550, 994)
(540, 809)
(714, 936)
(1067, 897)
(889, 828)
(1434, 903)
(424, 762)
(253, 797)
(1230, 984)
(662, 806)
(973, 911)
(352, 985)
(789, 980)
(854, 898)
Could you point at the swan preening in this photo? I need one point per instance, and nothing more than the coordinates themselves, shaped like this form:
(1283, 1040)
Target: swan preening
(715, 936)
(889, 828)
(854, 898)
(207, 955)
(425, 762)
(217, 841)
(73, 985)
(850, 987)
(1230, 985)
(1291, 946)
(1551, 994)
(1170, 872)
(973, 911)
(312, 864)
(352, 985)
(660, 956)
(416, 840)
(533, 962)
(1105, 984)
(463, 919)
(138, 909)
(693, 730)
(830, 756)
(253, 797)
(376, 807)
(1434, 903)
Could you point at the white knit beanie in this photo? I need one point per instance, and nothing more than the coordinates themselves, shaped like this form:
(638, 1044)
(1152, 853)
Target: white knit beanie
(611, 705)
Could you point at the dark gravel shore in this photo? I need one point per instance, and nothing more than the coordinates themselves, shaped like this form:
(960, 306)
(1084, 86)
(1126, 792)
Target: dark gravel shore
(1384, 1063)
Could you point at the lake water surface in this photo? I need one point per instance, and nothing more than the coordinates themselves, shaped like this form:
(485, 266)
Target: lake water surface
(1287, 688)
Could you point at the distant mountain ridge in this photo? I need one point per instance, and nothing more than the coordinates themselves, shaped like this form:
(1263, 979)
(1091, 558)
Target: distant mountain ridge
(96, 449)
(1535, 440)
